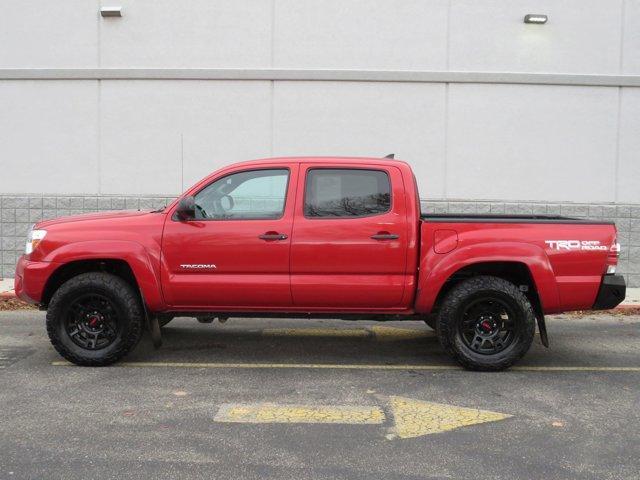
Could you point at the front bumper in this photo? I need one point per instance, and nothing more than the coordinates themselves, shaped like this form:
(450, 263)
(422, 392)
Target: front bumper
(31, 279)
(611, 293)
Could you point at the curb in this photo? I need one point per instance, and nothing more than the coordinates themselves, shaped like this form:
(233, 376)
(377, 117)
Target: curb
(620, 308)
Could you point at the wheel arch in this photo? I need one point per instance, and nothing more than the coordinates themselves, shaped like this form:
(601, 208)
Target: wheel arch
(514, 272)
(68, 270)
(128, 260)
(520, 263)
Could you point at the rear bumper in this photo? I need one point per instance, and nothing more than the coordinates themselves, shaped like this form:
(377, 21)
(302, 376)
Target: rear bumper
(611, 293)
(31, 278)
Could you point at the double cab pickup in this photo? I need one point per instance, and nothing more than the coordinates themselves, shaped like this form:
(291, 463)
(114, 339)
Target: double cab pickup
(308, 238)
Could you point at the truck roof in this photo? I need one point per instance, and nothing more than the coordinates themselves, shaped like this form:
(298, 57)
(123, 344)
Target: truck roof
(325, 159)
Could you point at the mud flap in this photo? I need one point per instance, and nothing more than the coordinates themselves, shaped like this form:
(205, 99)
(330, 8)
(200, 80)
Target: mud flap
(152, 324)
(154, 330)
(542, 328)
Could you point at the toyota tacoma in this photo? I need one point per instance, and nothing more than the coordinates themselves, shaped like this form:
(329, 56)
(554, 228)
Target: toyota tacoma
(311, 238)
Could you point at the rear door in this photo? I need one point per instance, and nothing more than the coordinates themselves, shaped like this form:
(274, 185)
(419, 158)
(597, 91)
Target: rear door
(235, 253)
(350, 240)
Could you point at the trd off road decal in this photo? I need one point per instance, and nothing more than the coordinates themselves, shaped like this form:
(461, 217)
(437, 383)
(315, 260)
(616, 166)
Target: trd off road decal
(588, 245)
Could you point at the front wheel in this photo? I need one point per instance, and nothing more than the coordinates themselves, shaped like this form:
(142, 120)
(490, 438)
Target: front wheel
(95, 319)
(486, 323)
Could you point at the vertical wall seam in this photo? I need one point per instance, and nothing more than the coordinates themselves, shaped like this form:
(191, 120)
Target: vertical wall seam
(616, 167)
(99, 137)
(272, 86)
(622, 22)
(273, 32)
(181, 161)
(99, 109)
(448, 41)
(272, 119)
(99, 36)
(445, 173)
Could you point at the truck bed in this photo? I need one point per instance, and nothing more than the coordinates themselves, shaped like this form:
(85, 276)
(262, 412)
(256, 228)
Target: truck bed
(507, 218)
(567, 256)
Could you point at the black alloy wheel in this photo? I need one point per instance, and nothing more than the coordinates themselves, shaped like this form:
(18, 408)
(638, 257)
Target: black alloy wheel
(488, 325)
(92, 321)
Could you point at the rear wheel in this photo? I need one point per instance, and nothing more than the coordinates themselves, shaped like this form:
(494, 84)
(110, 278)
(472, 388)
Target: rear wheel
(95, 319)
(486, 323)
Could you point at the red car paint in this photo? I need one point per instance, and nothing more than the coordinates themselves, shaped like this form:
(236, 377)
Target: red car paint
(324, 264)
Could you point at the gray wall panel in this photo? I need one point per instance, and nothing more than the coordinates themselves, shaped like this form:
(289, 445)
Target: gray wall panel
(405, 35)
(141, 149)
(631, 44)
(197, 33)
(525, 142)
(581, 36)
(370, 119)
(629, 162)
(42, 33)
(49, 136)
(159, 137)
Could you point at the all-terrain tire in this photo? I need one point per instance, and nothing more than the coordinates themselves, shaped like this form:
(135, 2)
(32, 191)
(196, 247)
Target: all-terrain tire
(471, 292)
(126, 311)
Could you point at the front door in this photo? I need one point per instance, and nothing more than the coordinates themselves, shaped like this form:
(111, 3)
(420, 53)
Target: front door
(235, 252)
(350, 238)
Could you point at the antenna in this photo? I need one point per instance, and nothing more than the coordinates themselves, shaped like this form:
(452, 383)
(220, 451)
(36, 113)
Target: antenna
(391, 155)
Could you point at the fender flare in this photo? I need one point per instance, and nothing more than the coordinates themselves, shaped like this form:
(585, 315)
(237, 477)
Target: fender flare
(139, 259)
(436, 269)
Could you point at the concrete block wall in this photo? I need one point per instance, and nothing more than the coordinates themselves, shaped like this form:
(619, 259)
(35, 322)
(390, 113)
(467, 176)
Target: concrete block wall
(17, 213)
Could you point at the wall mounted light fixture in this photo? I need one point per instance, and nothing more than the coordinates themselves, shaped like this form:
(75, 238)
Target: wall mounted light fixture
(535, 18)
(111, 11)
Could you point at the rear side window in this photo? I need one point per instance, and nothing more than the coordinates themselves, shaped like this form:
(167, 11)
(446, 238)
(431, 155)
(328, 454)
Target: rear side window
(339, 193)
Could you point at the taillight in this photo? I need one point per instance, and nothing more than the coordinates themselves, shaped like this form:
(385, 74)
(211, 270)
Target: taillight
(612, 257)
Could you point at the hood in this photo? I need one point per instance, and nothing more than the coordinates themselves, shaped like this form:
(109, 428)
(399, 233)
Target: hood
(93, 216)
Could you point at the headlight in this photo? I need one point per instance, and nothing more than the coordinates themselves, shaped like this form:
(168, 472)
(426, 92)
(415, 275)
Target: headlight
(33, 239)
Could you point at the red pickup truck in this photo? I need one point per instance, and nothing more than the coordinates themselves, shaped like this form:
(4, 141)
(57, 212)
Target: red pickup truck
(314, 237)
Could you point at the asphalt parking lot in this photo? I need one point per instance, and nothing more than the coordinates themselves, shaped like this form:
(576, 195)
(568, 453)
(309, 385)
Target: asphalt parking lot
(256, 399)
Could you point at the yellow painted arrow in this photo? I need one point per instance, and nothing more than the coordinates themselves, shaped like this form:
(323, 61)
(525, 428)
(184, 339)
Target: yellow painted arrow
(412, 418)
(271, 413)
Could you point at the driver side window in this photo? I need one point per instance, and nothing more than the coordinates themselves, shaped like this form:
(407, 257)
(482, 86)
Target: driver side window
(248, 195)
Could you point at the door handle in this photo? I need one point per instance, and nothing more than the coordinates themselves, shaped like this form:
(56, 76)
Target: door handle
(270, 236)
(385, 236)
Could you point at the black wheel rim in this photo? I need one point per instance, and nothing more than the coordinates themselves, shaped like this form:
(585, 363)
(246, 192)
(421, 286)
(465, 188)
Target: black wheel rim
(488, 325)
(92, 321)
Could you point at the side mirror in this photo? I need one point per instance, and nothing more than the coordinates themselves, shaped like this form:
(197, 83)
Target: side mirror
(186, 209)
